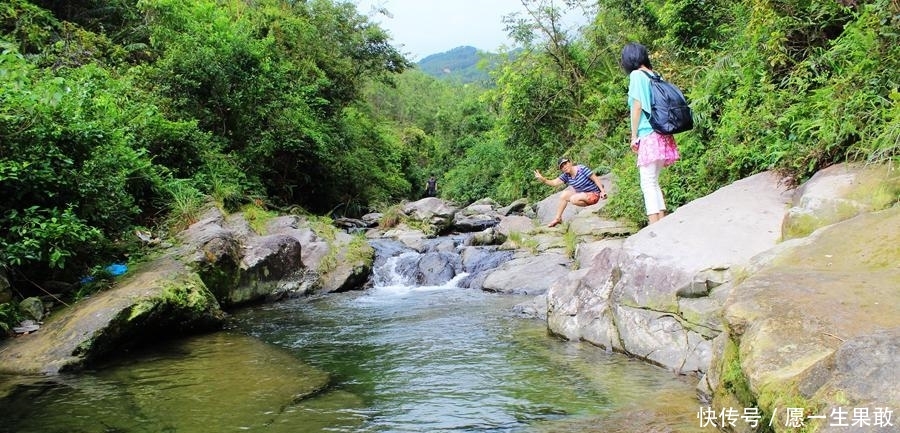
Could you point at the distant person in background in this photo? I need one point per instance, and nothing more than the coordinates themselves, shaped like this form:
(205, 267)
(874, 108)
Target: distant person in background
(586, 187)
(431, 187)
(654, 150)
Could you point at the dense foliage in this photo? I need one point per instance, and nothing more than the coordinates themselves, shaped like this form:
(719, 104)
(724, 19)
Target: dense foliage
(124, 114)
(792, 86)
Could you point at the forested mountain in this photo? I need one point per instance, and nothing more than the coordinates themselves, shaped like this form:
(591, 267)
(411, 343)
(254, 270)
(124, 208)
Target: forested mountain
(465, 64)
(459, 64)
(123, 114)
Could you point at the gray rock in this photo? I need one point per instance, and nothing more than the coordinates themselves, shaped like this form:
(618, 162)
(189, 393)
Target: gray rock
(432, 211)
(434, 269)
(533, 309)
(515, 207)
(26, 326)
(474, 223)
(267, 266)
(32, 308)
(650, 296)
(514, 224)
(587, 251)
(529, 275)
(372, 219)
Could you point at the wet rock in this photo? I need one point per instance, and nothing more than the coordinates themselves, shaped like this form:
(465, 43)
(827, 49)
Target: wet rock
(159, 298)
(533, 309)
(431, 269)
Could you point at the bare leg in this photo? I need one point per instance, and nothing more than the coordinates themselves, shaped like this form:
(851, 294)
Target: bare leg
(561, 207)
(579, 199)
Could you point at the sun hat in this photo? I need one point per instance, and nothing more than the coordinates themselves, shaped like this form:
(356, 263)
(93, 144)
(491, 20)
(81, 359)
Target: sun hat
(561, 162)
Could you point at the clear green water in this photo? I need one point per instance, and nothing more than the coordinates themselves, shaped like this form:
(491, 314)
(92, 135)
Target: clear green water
(393, 359)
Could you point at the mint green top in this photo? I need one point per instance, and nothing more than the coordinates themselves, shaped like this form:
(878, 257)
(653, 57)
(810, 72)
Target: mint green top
(639, 89)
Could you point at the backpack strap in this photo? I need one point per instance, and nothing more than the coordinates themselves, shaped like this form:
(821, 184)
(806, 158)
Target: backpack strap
(652, 77)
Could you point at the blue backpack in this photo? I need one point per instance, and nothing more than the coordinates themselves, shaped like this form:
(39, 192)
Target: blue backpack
(669, 110)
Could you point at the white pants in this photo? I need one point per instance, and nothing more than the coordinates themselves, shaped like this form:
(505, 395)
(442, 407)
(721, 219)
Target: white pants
(653, 196)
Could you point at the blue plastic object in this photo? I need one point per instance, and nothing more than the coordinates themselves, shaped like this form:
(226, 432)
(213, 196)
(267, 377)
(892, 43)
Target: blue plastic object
(117, 269)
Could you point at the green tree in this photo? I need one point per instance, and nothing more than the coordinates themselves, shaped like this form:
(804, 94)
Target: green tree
(272, 81)
(71, 179)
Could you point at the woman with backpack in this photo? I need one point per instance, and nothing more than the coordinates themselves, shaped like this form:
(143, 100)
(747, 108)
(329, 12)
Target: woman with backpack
(654, 150)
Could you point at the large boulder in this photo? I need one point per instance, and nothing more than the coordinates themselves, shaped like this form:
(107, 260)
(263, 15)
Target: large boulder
(514, 224)
(331, 260)
(156, 299)
(659, 295)
(478, 216)
(431, 268)
(237, 264)
(435, 214)
(531, 275)
(220, 261)
(817, 325)
(840, 192)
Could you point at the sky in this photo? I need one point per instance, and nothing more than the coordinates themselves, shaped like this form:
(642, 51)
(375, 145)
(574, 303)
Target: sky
(424, 27)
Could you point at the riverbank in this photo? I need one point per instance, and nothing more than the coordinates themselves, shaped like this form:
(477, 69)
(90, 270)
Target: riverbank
(691, 293)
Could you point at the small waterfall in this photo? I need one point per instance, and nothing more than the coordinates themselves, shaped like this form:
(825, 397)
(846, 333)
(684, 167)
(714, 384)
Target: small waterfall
(390, 273)
(444, 261)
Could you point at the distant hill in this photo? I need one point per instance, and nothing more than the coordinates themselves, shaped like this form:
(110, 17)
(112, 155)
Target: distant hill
(459, 64)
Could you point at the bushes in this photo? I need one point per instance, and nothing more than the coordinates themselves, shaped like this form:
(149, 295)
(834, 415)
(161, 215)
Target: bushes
(74, 178)
(119, 117)
(52, 236)
(792, 86)
(475, 176)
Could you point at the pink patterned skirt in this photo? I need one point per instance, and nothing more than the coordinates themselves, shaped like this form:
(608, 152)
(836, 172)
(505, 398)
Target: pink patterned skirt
(657, 147)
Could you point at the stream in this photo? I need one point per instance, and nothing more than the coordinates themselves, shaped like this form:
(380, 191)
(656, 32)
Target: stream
(396, 357)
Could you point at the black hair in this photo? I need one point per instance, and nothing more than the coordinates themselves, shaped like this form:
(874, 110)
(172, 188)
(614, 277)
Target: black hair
(633, 56)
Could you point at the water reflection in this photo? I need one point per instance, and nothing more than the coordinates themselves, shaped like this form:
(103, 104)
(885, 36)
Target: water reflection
(451, 359)
(393, 359)
(219, 382)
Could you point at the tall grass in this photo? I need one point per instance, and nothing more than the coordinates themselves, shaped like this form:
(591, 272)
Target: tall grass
(185, 204)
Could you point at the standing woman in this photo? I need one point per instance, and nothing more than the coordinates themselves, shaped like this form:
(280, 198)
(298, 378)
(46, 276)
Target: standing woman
(654, 150)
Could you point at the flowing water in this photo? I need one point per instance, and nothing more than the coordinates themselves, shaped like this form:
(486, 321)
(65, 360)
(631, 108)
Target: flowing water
(393, 358)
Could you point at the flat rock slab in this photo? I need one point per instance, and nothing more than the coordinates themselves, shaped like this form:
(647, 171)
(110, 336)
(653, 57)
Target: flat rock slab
(723, 229)
(528, 275)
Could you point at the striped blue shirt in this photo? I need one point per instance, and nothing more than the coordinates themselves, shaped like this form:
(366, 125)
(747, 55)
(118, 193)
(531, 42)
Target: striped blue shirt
(582, 181)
